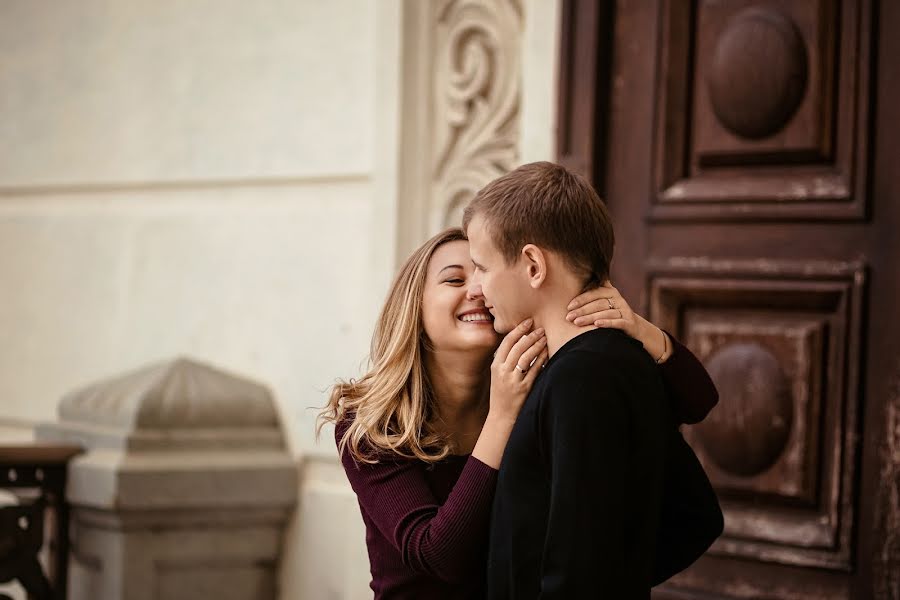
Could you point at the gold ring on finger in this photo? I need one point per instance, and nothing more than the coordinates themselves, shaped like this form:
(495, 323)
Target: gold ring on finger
(611, 305)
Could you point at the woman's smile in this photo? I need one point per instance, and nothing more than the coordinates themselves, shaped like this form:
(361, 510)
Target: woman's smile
(477, 316)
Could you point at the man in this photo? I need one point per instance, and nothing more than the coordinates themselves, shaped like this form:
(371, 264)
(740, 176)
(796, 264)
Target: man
(579, 500)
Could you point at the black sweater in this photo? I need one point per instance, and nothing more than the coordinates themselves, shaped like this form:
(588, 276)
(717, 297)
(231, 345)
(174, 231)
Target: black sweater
(593, 466)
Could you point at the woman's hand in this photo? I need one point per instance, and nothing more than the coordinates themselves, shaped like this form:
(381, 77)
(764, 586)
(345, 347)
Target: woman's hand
(605, 307)
(517, 362)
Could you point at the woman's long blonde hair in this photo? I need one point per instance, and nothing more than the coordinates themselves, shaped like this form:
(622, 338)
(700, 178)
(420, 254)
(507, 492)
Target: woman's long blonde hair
(391, 408)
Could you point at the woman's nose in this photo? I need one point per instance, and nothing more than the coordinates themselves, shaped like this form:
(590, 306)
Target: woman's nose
(474, 292)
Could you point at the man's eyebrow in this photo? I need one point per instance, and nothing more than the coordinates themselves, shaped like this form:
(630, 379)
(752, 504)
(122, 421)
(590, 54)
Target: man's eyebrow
(450, 267)
(477, 264)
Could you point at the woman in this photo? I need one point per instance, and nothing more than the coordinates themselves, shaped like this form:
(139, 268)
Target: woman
(422, 433)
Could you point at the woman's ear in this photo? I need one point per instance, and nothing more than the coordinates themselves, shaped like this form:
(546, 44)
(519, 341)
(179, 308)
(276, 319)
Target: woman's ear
(536, 265)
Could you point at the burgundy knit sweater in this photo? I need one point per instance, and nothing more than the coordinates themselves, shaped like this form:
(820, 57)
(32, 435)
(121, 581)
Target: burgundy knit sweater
(427, 525)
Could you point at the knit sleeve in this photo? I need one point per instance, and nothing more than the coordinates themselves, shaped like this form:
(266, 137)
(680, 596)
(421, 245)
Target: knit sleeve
(689, 387)
(446, 540)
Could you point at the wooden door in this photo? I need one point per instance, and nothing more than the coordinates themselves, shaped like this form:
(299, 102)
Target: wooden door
(748, 151)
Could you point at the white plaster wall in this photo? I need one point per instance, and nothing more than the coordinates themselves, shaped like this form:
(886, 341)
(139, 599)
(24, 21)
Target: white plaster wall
(188, 177)
(107, 91)
(540, 77)
(191, 178)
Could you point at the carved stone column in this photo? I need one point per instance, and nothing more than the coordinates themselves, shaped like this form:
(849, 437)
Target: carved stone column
(461, 99)
(477, 94)
(184, 490)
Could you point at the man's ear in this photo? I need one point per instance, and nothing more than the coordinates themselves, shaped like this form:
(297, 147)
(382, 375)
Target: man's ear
(535, 261)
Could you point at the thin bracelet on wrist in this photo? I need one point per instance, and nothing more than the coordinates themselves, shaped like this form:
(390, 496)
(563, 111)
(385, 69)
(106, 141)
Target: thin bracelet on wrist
(665, 347)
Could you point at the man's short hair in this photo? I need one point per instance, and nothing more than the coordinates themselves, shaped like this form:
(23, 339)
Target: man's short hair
(545, 204)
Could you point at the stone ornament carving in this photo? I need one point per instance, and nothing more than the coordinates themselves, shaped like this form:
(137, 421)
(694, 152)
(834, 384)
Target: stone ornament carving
(477, 88)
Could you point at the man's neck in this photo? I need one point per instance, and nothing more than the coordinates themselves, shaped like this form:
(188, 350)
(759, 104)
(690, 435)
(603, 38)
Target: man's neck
(559, 331)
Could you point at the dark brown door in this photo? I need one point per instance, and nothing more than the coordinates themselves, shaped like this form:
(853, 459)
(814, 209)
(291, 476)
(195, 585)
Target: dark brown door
(749, 154)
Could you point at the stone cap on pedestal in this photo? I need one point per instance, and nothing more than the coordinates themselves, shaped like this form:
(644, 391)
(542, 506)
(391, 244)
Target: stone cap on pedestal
(179, 393)
(179, 403)
(175, 434)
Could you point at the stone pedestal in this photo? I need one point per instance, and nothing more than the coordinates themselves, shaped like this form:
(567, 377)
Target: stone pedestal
(184, 490)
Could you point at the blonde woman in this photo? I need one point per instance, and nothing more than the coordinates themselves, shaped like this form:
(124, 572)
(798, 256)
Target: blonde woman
(421, 434)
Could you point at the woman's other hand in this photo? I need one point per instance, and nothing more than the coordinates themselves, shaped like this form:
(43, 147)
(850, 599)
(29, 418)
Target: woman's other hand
(605, 307)
(518, 360)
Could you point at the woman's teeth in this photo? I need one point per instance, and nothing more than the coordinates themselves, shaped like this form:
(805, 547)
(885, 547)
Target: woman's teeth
(475, 317)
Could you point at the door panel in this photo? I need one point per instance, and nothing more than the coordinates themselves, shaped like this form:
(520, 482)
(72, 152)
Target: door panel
(761, 110)
(780, 339)
(748, 153)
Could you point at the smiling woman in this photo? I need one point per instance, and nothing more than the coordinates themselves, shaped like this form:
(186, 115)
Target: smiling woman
(390, 409)
(451, 317)
(421, 434)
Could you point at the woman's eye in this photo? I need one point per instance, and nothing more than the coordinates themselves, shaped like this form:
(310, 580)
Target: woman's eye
(455, 281)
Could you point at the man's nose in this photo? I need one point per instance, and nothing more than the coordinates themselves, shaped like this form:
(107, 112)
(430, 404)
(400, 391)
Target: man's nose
(474, 292)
